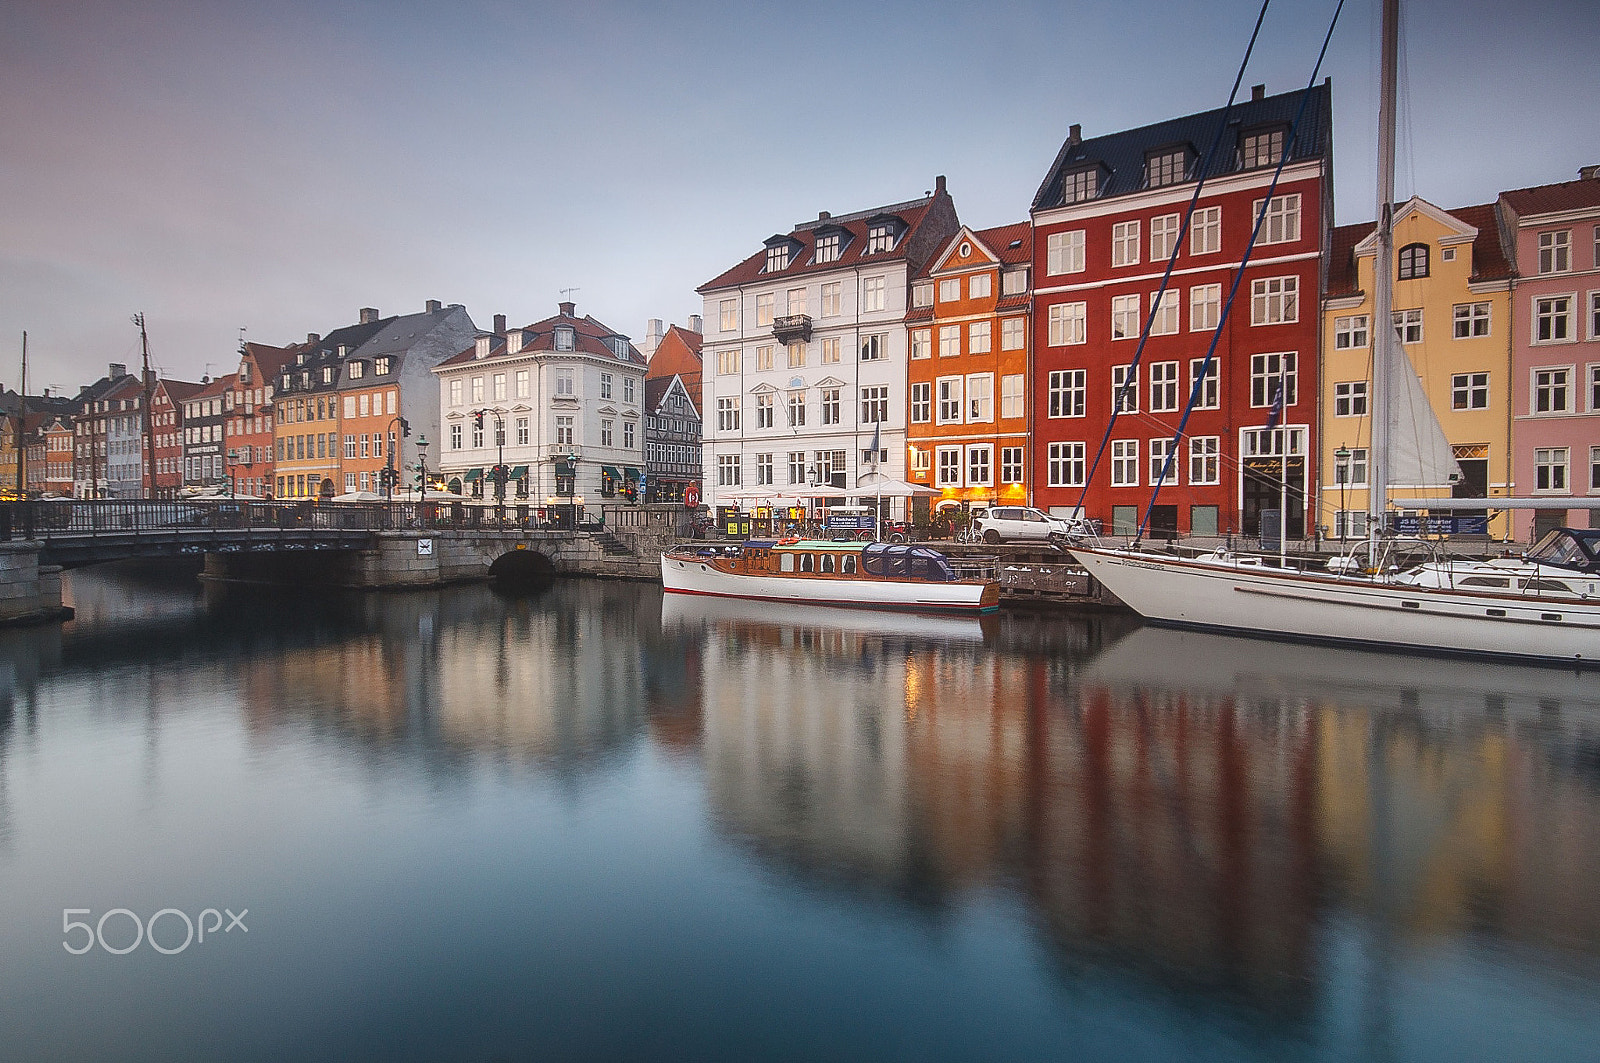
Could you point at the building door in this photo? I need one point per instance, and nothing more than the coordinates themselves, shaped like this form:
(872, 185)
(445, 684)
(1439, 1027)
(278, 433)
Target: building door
(1474, 483)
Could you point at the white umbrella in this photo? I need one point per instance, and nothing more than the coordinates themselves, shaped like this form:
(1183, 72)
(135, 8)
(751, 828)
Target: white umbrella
(357, 496)
(888, 485)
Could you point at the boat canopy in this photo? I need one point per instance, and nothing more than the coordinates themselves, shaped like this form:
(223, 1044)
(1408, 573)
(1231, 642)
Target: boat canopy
(904, 560)
(1574, 548)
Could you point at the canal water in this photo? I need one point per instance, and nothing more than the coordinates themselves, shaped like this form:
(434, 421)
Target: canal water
(589, 823)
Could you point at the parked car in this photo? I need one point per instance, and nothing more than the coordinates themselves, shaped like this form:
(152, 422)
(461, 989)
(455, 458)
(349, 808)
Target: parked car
(1000, 524)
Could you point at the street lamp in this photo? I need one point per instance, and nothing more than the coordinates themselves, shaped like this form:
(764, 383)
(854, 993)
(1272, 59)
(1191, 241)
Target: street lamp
(391, 472)
(422, 470)
(1341, 469)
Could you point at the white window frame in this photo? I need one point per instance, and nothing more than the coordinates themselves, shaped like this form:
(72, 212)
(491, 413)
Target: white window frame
(1266, 370)
(1160, 447)
(1066, 463)
(1469, 391)
(1124, 244)
(1350, 398)
(1472, 320)
(1014, 333)
(1205, 231)
(1068, 324)
(980, 398)
(831, 298)
(1555, 251)
(948, 466)
(949, 341)
(1551, 386)
(1124, 402)
(1211, 391)
(950, 290)
(1164, 394)
(1552, 314)
(1408, 325)
(874, 294)
(1275, 300)
(1013, 465)
(1125, 322)
(1164, 312)
(921, 401)
(979, 338)
(1205, 461)
(1064, 252)
(980, 465)
(1552, 470)
(1068, 393)
(979, 285)
(1282, 223)
(1352, 333)
(1013, 388)
(1164, 236)
(948, 394)
(921, 343)
(1124, 463)
(766, 303)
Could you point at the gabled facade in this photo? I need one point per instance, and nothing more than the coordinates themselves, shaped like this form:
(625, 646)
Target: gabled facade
(1452, 318)
(117, 422)
(1555, 336)
(306, 405)
(90, 426)
(1106, 219)
(805, 353)
(559, 403)
(968, 369)
(673, 423)
(50, 460)
(204, 432)
(247, 429)
(167, 403)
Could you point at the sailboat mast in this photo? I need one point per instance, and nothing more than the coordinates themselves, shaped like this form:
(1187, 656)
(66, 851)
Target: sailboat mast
(1383, 335)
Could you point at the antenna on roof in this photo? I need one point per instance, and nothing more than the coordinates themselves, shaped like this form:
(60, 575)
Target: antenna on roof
(242, 331)
(566, 293)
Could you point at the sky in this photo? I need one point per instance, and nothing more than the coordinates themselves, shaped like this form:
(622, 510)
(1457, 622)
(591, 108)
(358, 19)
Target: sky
(274, 166)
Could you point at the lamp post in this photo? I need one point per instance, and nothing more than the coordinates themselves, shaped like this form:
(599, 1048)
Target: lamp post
(391, 471)
(422, 470)
(1341, 469)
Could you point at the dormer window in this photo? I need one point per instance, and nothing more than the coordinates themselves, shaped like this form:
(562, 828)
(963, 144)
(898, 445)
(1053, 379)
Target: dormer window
(619, 346)
(565, 338)
(1264, 147)
(1167, 167)
(381, 366)
(922, 294)
(828, 248)
(305, 378)
(357, 370)
(880, 238)
(327, 374)
(777, 258)
(244, 372)
(1080, 185)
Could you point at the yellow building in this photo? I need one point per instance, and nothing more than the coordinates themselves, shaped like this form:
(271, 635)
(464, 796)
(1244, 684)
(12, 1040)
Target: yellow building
(1452, 311)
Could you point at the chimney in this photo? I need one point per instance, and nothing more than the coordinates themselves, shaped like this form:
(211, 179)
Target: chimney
(432, 306)
(696, 324)
(313, 339)
(118, 371)
(1258, 93)
(569, 309)
(369, 314)
(823, 215)
(482, 346)
(499, 324)
(513, 341)
(652, 337)
(1075, 134)
(1589, 173)
(938, 185)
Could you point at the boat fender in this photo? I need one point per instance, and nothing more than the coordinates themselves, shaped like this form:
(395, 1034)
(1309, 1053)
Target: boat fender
(786, 542)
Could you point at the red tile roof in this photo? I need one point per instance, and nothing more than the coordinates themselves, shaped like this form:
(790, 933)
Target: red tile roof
(1554, 199)
(1489, 259)
(1001, 237)
(589, 337)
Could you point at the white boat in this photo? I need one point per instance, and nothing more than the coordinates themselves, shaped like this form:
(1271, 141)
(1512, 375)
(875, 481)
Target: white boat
(1545, 607)
(843, 574)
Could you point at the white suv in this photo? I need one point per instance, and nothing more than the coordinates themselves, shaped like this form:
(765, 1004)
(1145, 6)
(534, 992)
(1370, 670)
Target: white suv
(1008, 523)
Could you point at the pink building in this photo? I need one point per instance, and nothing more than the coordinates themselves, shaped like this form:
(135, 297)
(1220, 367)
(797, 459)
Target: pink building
(1555, 347)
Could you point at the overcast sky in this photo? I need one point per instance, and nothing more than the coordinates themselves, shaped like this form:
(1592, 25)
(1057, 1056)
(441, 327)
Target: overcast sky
(277, 165)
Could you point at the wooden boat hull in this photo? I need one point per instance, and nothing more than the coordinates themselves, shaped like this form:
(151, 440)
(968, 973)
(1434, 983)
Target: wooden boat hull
(689, 575)
(1289, 605)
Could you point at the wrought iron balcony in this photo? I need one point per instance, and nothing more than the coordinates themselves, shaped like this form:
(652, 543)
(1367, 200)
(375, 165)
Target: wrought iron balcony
(795, 328)
(563, 452)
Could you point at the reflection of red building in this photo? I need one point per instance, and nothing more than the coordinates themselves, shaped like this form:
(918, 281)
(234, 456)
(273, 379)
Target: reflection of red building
(1105, 222)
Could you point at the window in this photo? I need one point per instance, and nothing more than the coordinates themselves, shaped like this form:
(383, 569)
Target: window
(522, 433)
(1014, 281)
(357, 370)
(1469, 391)
(874, 404)
(879, 238)
(1068, 392)
(727, 415)
(980, 465)
(521, 384)
(1163, 387)
(380, 366)
(980, 398)
(1413, 260)
(921, 343)
(1267, 371)
(797, 355)
(777, 258)
(1550, 387)
(796, 302)
(921, 402)
(1080, 185)
(477, 436)
(830, 406)
(797, 466)
(1163, 313)
(1350, 399)
(978, 337)
(764, 469)
(1124, 317)
(1205, 307)
(628, 383)
(1125, 243)
(1067, 323)
(1471, 319)
(1160, 450)
(1594, 389)
(922, 295)
(764, 304)
(1350, 332)
(1205, 231)
(949, 400)
(1264, 148)
(350, 445)
(1064, 252)
(1014, 333)
(1066, 464)
(565, 431)
(455, 441)
(455, 393)
(797, 409)
(728, 470)
(565, 338)
(1124, 463)
(874, 293)
(949, 466)
(830, 298)
(564, 384)
(950, 290)
(828, 349)
(1554, 248)
(1208, 398)
(1550, 469)
(627, 435)
(828, 248)
(1275, 301)
(1552, 319)
(1205, 464)
(1408, 326)
(979, 285)
(764, 357)
(949, 341)
(1282, 222)
(1167, 168)
(1594, 315)
(1124, 389)
(728, 315)
(765, 410)
(1350, 467)
(605, 428)
(1011, 399)
(1163, 237)
(477, 390)
(874, 347)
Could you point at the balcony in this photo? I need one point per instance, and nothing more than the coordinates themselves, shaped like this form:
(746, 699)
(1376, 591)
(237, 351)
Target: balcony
(563, 451)
(795, 328)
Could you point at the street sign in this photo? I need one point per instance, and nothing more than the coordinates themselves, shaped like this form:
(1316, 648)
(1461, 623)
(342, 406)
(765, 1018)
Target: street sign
(691, 495)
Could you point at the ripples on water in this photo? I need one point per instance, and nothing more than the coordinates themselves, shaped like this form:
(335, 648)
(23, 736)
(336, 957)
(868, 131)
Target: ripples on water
(595, 824)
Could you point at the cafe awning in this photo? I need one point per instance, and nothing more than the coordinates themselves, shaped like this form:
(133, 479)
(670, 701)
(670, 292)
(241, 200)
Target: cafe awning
(519, 473)
(472, 474)
(565, 468)
(611, 471)
(633, 473)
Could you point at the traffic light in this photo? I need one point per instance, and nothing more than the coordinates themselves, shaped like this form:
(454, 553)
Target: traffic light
(405, 429)
(477, 420)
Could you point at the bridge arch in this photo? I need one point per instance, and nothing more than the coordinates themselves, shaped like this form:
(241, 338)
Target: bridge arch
(523, 568)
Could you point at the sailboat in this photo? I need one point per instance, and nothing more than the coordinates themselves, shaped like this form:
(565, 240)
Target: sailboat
(1544, 606)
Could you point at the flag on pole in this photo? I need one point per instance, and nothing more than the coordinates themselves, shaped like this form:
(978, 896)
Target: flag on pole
(1277, 408)
(877, 439)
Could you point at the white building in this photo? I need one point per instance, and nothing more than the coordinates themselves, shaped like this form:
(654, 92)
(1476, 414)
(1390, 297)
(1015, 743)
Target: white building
(805, 353)
(561, 403)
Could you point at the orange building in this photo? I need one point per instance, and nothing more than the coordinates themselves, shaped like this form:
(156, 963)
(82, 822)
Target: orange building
(968, 392)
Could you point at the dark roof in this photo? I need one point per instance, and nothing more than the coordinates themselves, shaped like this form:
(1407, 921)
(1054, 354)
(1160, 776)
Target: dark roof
(180, 390)
(1489, 259)
(1553, 199)
(1122, 155)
